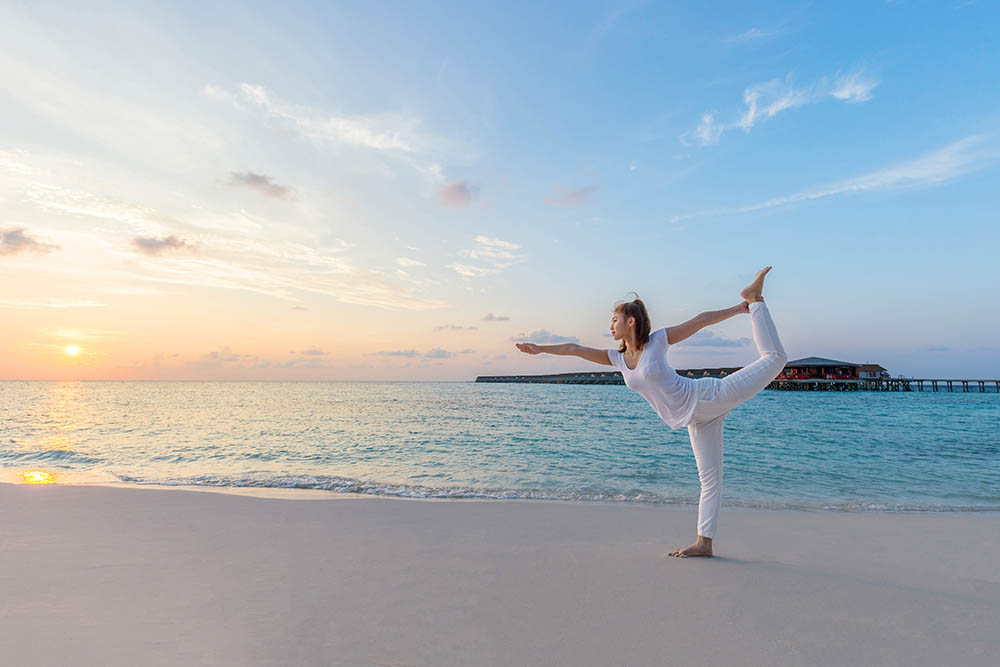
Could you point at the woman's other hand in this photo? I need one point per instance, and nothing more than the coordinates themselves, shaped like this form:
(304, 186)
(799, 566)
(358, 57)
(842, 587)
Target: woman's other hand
(528, 348)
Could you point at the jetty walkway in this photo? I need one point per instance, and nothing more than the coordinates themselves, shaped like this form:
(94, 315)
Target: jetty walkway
(865, 384)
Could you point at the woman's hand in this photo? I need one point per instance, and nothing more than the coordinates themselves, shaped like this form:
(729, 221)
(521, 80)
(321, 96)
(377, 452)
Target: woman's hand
(745, 307)
(528, 348)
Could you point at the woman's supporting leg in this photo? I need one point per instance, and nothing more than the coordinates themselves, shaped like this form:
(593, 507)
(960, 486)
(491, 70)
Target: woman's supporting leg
(706, 441)
(747, 382)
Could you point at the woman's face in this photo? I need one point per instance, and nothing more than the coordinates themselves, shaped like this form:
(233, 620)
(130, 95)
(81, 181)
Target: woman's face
(620, 325)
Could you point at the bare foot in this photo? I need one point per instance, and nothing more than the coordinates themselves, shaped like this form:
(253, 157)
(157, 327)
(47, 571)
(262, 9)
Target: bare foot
(696, 549)
(754, 291)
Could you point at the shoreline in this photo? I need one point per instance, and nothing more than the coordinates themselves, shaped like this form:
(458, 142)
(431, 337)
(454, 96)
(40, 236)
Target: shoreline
(74, 478)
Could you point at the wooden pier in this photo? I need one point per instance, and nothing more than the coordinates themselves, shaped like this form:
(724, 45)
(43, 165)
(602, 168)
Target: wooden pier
(866, 384)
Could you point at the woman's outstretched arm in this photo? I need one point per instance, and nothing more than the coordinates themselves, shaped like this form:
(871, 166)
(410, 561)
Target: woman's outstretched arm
(701, 320)
(588, 353)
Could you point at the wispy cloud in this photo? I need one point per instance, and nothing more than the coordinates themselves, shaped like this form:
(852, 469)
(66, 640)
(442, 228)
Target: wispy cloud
(856, 87)
(136, 291)
(385, 132)
(752, 34)
(152, 246)
(391, 134)
(82, 334)
(768, 99)
(945, 164)
(49, 303)
(313, 351)
(456, 194)
(407, 261)
(711, 339)
(16, 239)
(494, 253)
(563, 197)
(453, 327)
(490, 317)
(224, 357)
(259, 183)
(236, 250)
(543, 336)
(396, 353)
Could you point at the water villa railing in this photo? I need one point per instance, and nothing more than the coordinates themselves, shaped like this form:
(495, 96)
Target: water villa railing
(864, 384)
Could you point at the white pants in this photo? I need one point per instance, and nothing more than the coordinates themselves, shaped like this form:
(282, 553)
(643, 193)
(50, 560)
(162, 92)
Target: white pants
(716, 397)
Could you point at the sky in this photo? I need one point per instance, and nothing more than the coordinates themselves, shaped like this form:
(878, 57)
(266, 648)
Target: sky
(403, 190)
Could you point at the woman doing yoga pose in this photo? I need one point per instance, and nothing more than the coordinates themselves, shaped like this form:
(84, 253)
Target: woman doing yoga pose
(700, 404)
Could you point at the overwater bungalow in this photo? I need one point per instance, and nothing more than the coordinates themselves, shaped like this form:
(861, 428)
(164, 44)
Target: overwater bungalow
(872, 372)
(818, 368)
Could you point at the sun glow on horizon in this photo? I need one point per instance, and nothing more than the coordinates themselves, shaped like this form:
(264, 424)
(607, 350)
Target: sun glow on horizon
(72, 350)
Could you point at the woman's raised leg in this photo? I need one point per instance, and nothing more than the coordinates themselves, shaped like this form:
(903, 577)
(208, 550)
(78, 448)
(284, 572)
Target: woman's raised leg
(747, 382)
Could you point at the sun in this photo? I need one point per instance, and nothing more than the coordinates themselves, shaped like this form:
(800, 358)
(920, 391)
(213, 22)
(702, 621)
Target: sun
(72, 350)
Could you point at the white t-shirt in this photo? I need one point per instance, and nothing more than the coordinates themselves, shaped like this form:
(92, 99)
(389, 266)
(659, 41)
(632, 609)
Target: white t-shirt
(672, 396)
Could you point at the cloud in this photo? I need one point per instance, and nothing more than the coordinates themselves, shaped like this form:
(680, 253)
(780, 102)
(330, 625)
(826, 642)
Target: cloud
(136, 291)
(406, 261)
(438, 353)
(854, 88)
(470, 271)
(544, 336)
(224, 354)
(945, 164)
(314, 351)
(382, 133)
(236, 249)
(562, 197)
(397, 353)
(15, 239)
(490, 317)
(224, 357)
(709, 339)
(453, 327)
(395, 135)
(768, 99)
(935, 348)
(82, 334)
(751, 35)
(50, 303)
(299, 308)
(456, 194)
(495, 254)
(153, 246)
(259, 183)
(467, 350)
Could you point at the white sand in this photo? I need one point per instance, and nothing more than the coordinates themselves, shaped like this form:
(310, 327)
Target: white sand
(124, 576)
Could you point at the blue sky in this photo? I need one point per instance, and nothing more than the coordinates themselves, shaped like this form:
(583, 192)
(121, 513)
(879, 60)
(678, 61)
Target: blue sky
(402, 190)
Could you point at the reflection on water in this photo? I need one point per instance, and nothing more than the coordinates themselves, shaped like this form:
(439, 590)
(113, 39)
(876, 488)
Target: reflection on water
(61, 416)
(38, 477)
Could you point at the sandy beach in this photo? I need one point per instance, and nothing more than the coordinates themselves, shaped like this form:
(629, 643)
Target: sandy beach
(96, 575)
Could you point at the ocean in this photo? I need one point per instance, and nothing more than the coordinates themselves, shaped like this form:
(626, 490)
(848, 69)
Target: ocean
(841, 451)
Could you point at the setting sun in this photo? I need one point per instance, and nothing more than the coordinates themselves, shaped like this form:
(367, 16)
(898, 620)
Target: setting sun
(72, 350)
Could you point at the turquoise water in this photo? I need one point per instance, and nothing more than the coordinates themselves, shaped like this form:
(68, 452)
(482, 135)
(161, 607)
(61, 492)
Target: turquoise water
(836, 450)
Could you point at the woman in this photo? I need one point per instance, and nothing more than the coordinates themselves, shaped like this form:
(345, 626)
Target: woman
(700, 404)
